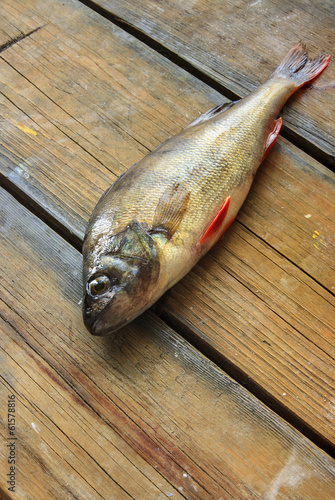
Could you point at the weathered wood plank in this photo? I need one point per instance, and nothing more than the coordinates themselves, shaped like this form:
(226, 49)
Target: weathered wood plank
(297, 196)
(72, 114)
(239, 43)
(138, 415)
(243, 295)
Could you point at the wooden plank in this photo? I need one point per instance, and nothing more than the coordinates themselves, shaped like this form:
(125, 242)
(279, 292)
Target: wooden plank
(72, 113)
(238, 45)
(271, 323)
(138, 415)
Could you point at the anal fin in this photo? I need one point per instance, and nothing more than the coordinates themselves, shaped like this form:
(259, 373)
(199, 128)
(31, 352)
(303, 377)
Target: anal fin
(272, 137)
(170, 210)
(216, 224)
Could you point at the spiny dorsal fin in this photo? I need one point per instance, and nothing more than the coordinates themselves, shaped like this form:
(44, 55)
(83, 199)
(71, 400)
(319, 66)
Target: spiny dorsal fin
(211, 112)
(170, 210)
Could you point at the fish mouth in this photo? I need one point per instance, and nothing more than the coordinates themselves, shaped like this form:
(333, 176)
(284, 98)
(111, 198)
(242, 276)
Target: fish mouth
(98, 328)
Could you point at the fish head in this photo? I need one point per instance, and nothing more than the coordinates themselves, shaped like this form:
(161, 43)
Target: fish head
(119, 279)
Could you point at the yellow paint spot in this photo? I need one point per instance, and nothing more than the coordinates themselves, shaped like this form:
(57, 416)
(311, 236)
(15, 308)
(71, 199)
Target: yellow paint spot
(316, 236)
(26, 129)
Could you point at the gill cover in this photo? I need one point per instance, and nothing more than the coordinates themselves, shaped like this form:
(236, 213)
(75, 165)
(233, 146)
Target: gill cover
(118, 288)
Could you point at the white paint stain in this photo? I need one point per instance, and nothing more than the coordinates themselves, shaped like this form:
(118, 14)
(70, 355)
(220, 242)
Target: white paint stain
(290, 476)
(35, 427)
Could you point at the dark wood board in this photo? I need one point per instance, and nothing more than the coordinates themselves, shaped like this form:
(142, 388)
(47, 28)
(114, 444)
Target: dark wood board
(138, 415)
(238, 44)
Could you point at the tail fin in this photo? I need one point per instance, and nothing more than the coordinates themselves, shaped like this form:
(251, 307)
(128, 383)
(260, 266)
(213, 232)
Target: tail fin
(297, 68)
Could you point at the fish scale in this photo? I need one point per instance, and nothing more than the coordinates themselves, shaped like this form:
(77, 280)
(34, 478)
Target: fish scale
(161, 216)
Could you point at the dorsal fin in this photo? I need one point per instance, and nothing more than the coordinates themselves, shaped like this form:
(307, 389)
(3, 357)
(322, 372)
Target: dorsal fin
(170, 210)
(211, 112)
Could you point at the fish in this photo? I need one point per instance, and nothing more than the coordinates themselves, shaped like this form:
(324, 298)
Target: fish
(161, 216)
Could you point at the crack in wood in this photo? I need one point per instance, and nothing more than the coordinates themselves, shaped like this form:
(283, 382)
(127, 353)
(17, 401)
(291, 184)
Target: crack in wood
(18, 39)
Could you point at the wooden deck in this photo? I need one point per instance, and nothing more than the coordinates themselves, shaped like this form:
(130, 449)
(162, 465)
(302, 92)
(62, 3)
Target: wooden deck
(226, 390)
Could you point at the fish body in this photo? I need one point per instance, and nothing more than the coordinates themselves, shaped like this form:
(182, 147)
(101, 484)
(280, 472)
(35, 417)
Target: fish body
(160, 217)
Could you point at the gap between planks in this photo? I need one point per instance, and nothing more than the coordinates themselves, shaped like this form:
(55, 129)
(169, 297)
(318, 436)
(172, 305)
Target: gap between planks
(298, 140)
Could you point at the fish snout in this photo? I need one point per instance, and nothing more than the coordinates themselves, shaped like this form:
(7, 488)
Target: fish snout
(102, 315)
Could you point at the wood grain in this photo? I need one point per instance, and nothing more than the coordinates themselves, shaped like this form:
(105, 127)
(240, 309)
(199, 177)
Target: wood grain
(138, 415)
(238, 44)
(75, 116)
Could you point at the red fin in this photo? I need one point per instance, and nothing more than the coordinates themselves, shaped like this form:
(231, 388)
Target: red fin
(216, 223)
(297, 68)
(272, 137)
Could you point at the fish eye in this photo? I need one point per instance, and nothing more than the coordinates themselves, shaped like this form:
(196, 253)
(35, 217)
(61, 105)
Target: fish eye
(98, 285)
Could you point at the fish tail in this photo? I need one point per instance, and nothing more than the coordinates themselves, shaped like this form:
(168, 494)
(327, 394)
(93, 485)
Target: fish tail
(298, 69)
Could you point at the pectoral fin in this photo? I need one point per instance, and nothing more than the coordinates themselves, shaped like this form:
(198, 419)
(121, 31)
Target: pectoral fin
(216, 223)
(170, 210)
